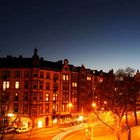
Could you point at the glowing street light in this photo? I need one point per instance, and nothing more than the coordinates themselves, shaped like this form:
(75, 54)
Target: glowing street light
(94, 105)
(70, 106)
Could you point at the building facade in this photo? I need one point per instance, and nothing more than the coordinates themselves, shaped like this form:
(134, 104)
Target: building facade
(37, 93)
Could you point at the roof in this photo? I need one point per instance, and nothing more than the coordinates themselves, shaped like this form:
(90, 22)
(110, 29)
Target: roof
(18, 62)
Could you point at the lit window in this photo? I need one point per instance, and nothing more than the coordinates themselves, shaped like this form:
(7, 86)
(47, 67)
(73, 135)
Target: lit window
(101, 80)
(55, 107)
(47, 96)
(89, 78)
(54, 97)
(74, 84)
(65, 77)
(17, 84)
(6, 84)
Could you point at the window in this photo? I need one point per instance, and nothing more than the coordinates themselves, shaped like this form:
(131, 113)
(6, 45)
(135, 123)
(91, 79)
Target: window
(6, 85)
(65, 97)
(41, 85)
(47, 108)
(40, 109)
(88, 78)
(26, 85)
(74, 84)
(55, 108)
(47, 86)
(16, 97)
(65, 86)
(40, 97)
(42, 75)
(17, 85)
(35, 85)
(25, 96)
(17, 74)
(55, 77)
(34, 96)
(55, 97)
(55, 87)
(47, 96)
(65, 77)
(16, 108)
(47, 75)
(101, 80)
(6, 74)
(35, 75)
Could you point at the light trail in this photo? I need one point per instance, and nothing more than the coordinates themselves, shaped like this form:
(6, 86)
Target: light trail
(67, 131)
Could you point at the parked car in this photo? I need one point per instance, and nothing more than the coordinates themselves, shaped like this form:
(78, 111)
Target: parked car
(22, 129)
(9, 129)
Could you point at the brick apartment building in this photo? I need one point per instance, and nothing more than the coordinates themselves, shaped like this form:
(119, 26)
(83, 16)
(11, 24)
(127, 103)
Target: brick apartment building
(35, 92)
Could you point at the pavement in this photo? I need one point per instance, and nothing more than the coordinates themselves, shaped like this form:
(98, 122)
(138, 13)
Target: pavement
(81, 135)
(135, 134)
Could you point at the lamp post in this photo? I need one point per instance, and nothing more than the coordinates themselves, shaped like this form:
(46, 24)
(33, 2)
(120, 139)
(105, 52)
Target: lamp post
(70, 106)
(94, 107)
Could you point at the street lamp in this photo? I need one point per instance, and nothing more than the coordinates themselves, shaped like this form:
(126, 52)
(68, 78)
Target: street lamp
(70, 106)
(94, 105)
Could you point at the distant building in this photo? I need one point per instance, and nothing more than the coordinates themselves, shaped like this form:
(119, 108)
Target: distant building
(37, 92)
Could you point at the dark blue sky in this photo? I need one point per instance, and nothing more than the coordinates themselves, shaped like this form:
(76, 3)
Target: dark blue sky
(101, 34)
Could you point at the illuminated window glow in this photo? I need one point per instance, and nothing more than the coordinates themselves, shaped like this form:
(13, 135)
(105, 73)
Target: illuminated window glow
(65, 77)
(101, 80)
(17, 85)
(74, 84)
(89, 78)
(47, 96)
(54, 97)
(6, 85)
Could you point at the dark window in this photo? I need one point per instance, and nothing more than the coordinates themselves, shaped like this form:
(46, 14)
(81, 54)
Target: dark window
(41, 75)
(16, 97)
(6, 74)
(41, 85)
(40, 97)
(16, 108)
(25, 96)
(17, 74)
(47, 75)
(35, 75)
(47, 86)
(26, 85)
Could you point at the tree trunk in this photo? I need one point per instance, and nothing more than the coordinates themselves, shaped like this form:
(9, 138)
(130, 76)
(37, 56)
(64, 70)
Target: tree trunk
(135, 112)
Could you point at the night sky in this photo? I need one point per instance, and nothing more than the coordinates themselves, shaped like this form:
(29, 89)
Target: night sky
(101, 34)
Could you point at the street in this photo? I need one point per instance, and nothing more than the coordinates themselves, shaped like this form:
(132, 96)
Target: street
(85, 131)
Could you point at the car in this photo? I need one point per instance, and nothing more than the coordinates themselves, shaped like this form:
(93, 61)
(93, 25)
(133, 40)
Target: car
(22, 129)
(9, 129)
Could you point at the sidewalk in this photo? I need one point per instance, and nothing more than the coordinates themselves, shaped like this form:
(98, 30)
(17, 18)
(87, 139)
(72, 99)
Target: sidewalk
(135, 135)
(50, 128)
